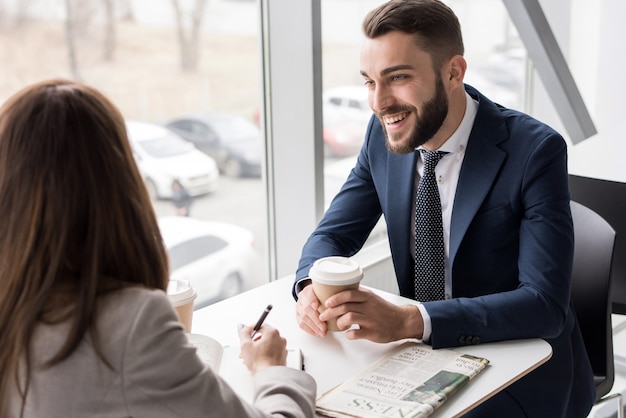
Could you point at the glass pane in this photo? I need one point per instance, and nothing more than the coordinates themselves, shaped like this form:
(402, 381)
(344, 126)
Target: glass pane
(496, 57)
(590, 40)
(142, 55)
(346, 111)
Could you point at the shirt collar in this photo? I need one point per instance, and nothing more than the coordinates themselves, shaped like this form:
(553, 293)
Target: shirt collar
(459, 139)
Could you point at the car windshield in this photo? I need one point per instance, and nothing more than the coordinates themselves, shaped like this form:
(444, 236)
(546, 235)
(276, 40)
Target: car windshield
(235, 129)
(165, 146)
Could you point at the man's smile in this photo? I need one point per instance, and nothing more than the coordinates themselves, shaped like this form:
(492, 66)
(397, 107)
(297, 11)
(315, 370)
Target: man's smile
(390, 120)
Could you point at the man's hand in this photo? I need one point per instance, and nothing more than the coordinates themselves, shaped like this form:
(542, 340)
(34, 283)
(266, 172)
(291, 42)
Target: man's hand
(307, 315)
(378, 320)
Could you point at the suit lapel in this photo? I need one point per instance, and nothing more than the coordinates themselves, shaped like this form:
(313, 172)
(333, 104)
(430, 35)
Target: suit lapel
(399, 197)
(482, 162)
(401, 175)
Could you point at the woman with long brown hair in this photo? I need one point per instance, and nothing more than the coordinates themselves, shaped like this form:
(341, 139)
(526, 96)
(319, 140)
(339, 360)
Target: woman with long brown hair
(85, 325)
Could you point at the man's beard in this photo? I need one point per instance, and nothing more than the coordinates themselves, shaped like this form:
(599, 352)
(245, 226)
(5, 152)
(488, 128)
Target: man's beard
(426, 126)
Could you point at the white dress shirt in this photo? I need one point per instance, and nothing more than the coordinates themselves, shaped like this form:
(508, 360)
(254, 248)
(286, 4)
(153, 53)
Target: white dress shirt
(447, 174)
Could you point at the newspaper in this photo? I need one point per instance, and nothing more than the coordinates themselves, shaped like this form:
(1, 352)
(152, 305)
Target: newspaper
(410, 381)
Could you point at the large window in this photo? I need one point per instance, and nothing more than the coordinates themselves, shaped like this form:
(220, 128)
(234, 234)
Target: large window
(291, 69)
(160, 61)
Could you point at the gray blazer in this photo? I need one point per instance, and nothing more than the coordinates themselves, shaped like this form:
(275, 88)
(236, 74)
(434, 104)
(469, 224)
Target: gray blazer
(156, 372)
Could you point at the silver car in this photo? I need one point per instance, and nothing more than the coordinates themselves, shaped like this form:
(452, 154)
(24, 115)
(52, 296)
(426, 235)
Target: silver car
(162, 157)
(217, 258)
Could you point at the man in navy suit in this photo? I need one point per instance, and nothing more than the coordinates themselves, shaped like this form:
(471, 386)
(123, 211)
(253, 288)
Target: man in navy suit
(507, 225)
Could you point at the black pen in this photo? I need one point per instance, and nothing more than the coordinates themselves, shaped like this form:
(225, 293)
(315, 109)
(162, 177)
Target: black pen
(258, 324)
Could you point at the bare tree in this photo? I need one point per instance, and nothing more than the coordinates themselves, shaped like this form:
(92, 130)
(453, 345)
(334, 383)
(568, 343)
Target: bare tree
(80, 15)
(14, 16)
(22, 11)
(189, 44)
(70, 33)
(124, 10)
(109, 30)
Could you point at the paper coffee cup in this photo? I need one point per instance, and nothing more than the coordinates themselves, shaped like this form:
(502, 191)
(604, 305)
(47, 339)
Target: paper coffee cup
(182, 295)
(330, 275)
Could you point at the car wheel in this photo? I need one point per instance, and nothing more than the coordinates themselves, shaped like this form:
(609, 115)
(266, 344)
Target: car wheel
(233, 168)
(153, 192)
(232, 286)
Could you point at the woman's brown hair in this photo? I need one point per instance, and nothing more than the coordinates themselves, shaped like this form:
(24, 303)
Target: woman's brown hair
(76, 220)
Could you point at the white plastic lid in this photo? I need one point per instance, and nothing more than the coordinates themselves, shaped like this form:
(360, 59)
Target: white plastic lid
(180, 292)
(338, 271)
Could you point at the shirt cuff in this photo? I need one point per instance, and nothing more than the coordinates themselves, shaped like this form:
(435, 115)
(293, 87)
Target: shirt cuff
(301, 284)
(427, 324)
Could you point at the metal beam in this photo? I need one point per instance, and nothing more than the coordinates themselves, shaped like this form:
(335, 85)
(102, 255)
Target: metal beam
(548, 59)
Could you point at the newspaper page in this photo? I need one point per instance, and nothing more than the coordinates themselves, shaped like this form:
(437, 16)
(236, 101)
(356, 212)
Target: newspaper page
(410, 382)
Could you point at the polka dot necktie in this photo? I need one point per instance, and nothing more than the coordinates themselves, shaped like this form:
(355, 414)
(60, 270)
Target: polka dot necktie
(429, 249)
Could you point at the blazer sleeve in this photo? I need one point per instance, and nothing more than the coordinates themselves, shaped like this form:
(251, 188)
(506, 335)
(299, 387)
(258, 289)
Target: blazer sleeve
(163, 377)
(349, 220)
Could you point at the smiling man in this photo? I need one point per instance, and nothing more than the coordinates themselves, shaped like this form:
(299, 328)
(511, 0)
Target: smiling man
(505, 230)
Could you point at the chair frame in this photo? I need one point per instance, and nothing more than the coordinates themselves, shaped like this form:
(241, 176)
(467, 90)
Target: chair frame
(594, 247)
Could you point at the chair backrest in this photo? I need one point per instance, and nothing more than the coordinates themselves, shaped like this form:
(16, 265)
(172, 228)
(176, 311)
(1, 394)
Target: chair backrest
(608, 199)
(591, 291)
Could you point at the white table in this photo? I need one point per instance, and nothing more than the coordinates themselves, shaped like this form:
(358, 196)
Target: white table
(333, 359)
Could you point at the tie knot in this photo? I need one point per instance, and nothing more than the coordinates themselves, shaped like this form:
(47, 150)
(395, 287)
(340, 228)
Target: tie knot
(431, 158)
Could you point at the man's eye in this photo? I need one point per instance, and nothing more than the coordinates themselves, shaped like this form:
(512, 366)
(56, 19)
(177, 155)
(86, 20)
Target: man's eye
(368, 83)
(398, 77)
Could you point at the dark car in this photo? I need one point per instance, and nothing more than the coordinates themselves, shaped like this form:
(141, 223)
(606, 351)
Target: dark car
(234, 142)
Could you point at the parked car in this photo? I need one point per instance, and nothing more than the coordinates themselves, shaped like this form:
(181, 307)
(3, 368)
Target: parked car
(342, 137)
(217, 258)
(348, 103)
(162, 157)
(234, 142)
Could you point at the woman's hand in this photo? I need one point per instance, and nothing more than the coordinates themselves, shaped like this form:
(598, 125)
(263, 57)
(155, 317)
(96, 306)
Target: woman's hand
(267, 348)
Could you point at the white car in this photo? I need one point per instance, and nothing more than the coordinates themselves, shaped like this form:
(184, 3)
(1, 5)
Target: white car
(217, 258)
(162, 157)
(348, 103)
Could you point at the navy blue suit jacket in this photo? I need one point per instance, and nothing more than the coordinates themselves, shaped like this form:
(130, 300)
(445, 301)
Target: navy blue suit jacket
(511, 246)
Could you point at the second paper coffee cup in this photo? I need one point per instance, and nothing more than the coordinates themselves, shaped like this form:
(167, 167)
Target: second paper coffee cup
(330, 275)
(182, 295)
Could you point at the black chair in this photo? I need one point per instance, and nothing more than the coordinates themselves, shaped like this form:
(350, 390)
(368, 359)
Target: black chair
(591, 295)
(608, 199)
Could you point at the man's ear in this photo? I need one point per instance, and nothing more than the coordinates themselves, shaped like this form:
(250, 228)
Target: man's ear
(456, 70)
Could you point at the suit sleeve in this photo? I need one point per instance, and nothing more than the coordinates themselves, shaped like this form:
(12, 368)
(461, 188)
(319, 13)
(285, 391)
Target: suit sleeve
(349, 220)
(163, 376)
